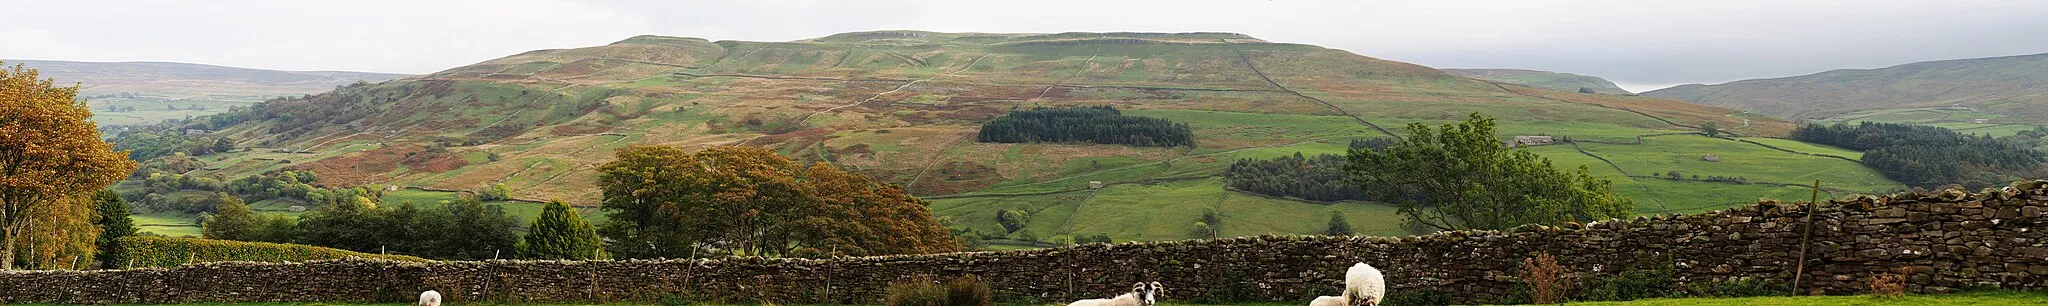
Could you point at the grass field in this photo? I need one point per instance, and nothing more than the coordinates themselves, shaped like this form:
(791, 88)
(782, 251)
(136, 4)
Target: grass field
(1648, 166)
(149, 111)
(1802, 147)
(1063, 206)
(1973, 298)
(1165, 211)
(167, 224)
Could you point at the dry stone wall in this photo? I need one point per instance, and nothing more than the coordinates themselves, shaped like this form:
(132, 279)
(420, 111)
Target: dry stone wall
(1946, 241)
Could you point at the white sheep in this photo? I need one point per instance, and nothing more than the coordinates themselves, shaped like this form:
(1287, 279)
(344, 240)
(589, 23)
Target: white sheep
(1328, 301)
(430, 298)
(1142, 294)
(1363, 285)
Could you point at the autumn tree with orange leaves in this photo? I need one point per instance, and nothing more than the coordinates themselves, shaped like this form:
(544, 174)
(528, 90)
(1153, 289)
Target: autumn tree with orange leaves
(741, 201)
(51, 162)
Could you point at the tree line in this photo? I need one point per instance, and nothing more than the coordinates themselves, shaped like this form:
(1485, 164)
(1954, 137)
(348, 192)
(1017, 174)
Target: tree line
(1930, 157)
(144, 145)
(169, 137)
(464, 228)
(1094, 124)
(295, 185)
(1315, 178)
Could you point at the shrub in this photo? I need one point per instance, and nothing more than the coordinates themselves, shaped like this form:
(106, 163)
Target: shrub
(1012, 220)
(142, 251)
(494, 192)
(1741, 287)
(1546, 280)
(1232, 290)
(1889, 285)
(916, 291)
(1630, 285)
(968, 291)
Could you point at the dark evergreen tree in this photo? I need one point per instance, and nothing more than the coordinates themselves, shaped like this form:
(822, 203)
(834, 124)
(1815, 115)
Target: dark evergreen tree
(1338, 226)
(112, 218)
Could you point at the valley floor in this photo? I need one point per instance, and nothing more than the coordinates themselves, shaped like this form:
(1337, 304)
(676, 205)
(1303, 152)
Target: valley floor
(1976, 298)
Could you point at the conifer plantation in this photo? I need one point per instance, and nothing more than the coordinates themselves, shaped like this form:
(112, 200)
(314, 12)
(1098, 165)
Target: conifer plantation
(1928, 156)
(1094, 124)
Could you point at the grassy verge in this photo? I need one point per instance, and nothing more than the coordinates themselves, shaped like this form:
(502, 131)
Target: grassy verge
(1979, 298)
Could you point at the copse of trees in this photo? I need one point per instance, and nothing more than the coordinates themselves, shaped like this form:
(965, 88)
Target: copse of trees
(150, 144)
(174, 164)
(1096, 124)
(294, 117)
(1928, 156)
(1315, 178)
(168, 137)
(744, 201)
(232, 219)
(52, 161)
(1459, 176)
(462, 229)
(295, 185)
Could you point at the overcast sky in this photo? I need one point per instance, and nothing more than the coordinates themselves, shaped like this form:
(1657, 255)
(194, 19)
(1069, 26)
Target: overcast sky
(1641, 44)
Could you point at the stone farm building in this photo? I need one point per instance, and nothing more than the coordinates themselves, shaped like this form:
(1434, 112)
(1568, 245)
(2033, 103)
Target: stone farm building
(1525, 141)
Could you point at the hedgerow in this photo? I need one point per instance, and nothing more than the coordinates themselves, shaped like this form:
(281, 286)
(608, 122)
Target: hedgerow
(142, 251)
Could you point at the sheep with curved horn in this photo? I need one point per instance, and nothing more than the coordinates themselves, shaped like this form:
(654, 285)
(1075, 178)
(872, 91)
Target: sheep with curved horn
(1142, 294)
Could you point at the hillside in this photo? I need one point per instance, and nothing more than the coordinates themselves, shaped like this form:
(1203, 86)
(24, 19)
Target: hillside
(1543, 79)
(1998, 89)
(905, 106)
(152, 88)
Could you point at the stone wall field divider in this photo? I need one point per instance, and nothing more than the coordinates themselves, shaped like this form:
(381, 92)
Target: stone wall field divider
(1946, 241)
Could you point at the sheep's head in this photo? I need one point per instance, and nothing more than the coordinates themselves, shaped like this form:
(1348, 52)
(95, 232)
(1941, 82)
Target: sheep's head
(1152, 292)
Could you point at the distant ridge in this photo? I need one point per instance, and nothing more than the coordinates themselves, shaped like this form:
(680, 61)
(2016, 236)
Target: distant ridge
(2008, 85)
(189, 81)
(1543, 79)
